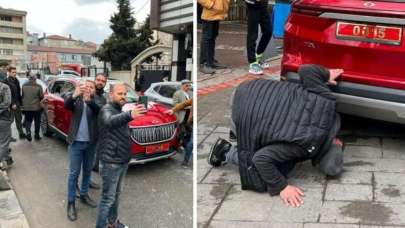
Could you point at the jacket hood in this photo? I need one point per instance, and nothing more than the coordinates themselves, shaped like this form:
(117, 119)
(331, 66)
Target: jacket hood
(314, 78)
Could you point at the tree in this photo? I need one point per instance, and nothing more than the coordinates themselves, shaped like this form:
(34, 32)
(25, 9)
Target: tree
(125, 42)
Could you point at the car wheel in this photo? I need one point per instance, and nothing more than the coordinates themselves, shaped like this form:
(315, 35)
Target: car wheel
(44, 125)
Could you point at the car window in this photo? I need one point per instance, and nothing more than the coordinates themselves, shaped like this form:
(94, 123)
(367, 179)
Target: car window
(57, 87)
(167, 91)
(68, 87)
(156, 89)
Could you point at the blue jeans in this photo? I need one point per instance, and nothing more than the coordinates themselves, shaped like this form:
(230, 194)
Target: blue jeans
(112, 176)
(188, 149)
(81, 155)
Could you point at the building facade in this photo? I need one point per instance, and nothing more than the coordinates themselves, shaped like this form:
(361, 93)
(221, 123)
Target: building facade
(13, 39)
(176, 17)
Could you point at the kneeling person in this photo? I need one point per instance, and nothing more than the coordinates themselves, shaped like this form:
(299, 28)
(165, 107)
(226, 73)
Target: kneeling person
(279, 124)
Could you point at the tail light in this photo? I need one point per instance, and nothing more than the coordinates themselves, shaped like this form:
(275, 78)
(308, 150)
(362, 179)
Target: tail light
(300, 9)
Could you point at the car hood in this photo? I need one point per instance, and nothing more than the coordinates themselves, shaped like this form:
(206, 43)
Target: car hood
(389, 7)
(154, 116)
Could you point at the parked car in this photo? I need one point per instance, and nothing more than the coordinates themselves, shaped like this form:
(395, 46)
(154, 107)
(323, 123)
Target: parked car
(162, 92)
(362, 37)
(153, 137)
(66, 72)
(23, 80)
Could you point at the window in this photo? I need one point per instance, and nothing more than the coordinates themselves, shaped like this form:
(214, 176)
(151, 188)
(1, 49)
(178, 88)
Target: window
(156, 89)
(73, 57)
(8, 29)
(68, 87)
(57, 87)
(6, 52)
(167, 91)
(6, 41)
(5, 18)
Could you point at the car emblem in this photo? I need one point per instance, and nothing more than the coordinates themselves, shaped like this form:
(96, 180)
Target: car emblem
(369, 4)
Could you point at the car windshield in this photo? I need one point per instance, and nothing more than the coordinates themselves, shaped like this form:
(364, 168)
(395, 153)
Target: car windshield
(131, 94)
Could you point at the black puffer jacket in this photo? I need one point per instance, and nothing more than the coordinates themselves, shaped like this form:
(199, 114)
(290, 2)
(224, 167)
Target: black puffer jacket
(266, 112)
(113, 144)
(15, 88)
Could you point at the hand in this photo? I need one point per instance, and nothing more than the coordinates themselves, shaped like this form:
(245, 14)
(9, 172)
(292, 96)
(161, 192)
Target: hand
(292, 196)
(14, 107)
(78, 92)
(170, 112)
(333, 75)
(138, 111)
(87, 97)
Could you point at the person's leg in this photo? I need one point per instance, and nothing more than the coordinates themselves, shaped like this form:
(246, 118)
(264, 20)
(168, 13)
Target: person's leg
(188, 149)
(113, 216)
(5, 136)
(110, 174)
(75, 159)
(266, 29)
(28, 123)
(208, 42)
(88, 157)
(18, 120)
(253, 23)
(215, 28)
(37, 120)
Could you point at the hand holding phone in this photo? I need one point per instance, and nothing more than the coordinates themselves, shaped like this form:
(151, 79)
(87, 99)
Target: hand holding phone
(137, 111)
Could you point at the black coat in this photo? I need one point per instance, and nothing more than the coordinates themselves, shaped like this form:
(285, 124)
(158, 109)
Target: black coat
(15, 88)
(267, 112)
(76, 106)
(114, 142)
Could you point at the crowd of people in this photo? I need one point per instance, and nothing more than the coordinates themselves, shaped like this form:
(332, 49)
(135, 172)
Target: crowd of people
(211, 12)
(98, 127)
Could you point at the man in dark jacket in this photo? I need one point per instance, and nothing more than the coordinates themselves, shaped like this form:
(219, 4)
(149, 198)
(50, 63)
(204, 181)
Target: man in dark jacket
(5, 123)
(32, 96)
(279, 124)
(81, 139)
(16, 100)
(114, 150)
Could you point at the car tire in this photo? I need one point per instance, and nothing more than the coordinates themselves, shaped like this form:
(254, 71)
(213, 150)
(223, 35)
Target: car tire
(44, 125)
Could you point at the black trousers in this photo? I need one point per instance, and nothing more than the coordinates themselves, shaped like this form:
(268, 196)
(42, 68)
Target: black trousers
(257, 15)
(207, 46)
(29, 117)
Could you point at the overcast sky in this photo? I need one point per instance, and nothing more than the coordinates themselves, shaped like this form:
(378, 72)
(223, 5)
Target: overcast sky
(87, 20)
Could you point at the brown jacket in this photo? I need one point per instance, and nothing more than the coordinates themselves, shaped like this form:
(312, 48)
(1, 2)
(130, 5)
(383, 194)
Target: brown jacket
(31, 96)
(182, 106)
(214, 10)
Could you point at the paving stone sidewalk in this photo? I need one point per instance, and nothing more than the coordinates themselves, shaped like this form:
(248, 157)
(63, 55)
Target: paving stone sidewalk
(370, 193)
(11, 214)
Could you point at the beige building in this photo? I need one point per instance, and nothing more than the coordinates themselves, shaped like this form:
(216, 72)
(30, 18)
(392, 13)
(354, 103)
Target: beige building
(13, 39)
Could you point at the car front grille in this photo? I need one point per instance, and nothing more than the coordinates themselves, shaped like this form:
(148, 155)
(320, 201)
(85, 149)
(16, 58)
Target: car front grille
(153, 135)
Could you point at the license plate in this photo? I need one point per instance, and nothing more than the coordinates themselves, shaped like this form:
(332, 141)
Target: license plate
(157, 148)
(369, 33)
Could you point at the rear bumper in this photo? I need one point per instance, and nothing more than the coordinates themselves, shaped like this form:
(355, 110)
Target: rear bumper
(367, 101)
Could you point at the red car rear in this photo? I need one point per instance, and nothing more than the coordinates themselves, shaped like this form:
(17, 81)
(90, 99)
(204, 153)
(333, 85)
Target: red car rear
(153, 136)
(365, 38)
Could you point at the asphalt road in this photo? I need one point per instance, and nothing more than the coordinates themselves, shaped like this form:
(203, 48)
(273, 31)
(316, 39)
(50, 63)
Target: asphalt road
(157, 194)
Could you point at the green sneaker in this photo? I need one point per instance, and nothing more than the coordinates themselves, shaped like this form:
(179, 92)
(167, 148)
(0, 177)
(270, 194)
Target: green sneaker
(265, 65)
(255, 68)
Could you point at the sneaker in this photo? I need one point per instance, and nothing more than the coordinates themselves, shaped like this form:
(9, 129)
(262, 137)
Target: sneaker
(22, 136)
(118, 224)
(207, 69)
(184, 164)
(255, 68)
(265, 65)
(219, 66)
(29, 138)
(232, 136)
(218, 151)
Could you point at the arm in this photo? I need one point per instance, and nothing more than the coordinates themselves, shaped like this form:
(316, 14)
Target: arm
(69, 101)
(207, 3)
(111, 120)
(6, 101)
(183, 105)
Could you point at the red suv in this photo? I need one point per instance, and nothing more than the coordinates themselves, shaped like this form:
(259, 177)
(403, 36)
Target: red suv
(154, 136)
(365, 38)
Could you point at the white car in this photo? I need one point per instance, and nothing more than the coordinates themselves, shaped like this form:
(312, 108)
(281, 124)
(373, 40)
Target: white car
(162, 92)
(39, 82)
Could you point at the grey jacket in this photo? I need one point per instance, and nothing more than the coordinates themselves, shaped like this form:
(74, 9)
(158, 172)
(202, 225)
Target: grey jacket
(178, 98)
(31, 96)
(5, 102)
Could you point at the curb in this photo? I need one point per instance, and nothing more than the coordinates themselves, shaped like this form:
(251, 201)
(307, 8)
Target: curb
(11, 213)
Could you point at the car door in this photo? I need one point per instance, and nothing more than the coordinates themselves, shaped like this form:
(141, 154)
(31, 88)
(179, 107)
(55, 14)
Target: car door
(65, 116)
(53, 103)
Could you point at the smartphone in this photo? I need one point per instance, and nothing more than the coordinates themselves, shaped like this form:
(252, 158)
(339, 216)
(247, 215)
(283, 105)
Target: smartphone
(143, 100)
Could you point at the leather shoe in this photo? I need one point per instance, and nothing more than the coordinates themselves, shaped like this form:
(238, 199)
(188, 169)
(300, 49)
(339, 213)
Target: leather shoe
(71, 211)
(93, 185)
(88, 201)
